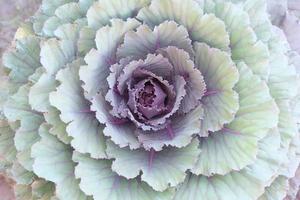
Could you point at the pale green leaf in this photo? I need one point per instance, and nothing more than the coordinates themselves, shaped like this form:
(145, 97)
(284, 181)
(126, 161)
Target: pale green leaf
(56, 54)
(43, 190)
(75, 111)
(101, 12)
(24, 60)
(202, 28)
(269, 159)
(21, 175)
(293, 157)
(258, 112)
(220, 103)
(233, 186)
(287, 124)
(68, 32)
(7, 148)
(53, 162)
(99, 180)
(58, 128)
(223, 152)
(283, 77)
(69, 12)
(51, 24)
(39, 92)
(159, 169)
(49, 6)
(85, 5)
(86, 40)
(236, 145)
(38, 22)
(36, 75)
(243, 41)
(18, 109)
(277, 190)
(259, 18)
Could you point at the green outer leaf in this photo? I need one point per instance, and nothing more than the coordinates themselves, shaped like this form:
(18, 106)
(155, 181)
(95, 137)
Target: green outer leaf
(99, 180)
(270, 157)
(39, 93)
(36, 75)
(236, 145)
(7, 148)
(56, 54)
(86, 40)
(18, 109)
(24, 60)
(68, 32)
(208, 29)
(293, 155)
(259, 17)
(232, 186)
(283, 76)
(243, 41)
(37, 190)
(53, 161)
(159, 169)
(49, 6)
(85, 5)
(277, 190)
(58, 127)
(21, 175)
(69, 12)
(220, 75)
(4, 90)
(75, 111)
(223, 152)
(38, 22)
(283, 84)
(287, 124)
(43, 190)
(101, 12)
(51, 24)
(25, 137)
(258, 112)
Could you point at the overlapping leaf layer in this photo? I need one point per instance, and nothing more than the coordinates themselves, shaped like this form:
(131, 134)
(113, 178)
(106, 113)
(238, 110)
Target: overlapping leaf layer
(150, 99)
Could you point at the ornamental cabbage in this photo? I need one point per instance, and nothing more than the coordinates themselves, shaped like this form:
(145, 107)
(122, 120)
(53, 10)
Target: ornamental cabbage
(150, 99)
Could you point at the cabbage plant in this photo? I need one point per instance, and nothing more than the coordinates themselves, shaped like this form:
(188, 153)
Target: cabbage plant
(150, 100)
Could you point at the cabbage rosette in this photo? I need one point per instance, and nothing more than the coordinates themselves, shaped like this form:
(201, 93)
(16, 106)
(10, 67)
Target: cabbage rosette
(150, 99)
